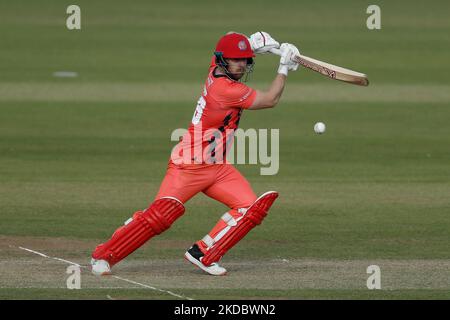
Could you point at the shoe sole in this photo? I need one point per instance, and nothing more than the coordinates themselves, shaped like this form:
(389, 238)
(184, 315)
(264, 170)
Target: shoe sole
(106, 273)
(199, 265)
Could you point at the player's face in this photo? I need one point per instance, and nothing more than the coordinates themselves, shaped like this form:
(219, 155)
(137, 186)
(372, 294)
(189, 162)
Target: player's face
(237, 67)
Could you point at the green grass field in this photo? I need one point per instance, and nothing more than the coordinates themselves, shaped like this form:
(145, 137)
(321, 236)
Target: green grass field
(79, 155)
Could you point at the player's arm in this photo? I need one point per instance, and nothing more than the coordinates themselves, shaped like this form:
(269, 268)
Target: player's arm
(270, 97)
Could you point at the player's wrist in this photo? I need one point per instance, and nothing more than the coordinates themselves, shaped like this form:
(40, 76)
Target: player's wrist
(283, 69)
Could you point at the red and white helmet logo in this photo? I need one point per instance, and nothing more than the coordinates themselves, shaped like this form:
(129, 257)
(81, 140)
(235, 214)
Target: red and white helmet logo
(242, 45)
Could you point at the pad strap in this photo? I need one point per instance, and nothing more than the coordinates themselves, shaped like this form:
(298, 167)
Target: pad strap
(236, 229)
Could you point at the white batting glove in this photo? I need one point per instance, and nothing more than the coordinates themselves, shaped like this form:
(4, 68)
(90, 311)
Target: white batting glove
(286, 63)
(262, 42)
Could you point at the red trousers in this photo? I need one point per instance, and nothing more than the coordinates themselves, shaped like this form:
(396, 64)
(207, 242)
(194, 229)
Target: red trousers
(221, 182)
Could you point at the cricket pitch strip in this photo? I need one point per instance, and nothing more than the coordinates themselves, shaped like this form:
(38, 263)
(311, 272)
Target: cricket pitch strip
(30, 264)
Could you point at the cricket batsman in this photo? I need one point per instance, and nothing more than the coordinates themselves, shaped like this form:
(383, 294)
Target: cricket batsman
(198, 162)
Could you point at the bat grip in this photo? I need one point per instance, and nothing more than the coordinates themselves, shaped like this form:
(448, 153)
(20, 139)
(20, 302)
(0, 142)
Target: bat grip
(276, 51)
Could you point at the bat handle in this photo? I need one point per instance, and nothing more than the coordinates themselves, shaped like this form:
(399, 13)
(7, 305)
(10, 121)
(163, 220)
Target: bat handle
(276, 51)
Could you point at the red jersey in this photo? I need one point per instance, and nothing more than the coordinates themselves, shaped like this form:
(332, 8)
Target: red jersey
(216, 117)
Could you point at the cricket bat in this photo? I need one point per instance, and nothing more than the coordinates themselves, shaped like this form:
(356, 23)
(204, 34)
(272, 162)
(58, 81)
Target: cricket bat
(329, 70)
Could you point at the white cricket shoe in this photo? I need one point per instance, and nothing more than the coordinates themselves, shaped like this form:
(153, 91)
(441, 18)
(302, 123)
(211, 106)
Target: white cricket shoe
(100, 267)
(194, 254)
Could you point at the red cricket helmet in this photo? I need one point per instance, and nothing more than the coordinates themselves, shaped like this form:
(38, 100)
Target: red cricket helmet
(234, 46)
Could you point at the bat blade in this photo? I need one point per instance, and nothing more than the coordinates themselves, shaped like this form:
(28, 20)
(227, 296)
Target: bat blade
(329, 70)
(332, 71)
